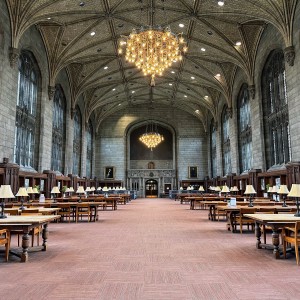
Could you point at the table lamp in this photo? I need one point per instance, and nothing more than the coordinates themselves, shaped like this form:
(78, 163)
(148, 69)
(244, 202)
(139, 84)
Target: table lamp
(201, 189)
(217, 189)
(35, 191)
(283, 190)
(234, 189)
(80, 191)
(22, 193)
(67, 192)
(71, 191)
(93, 189)
(269, 191)
(225, 190)
(295, 192)
(250, 191)
(29, 191)
(5, 192)
(88, 190)
(55, 190)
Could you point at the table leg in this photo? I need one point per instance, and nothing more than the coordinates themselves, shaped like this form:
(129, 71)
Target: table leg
(275, 241)
(45, 234)
(25, 246)
(258, 235)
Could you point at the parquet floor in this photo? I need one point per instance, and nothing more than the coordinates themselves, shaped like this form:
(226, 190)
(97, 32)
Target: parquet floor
(149, 249)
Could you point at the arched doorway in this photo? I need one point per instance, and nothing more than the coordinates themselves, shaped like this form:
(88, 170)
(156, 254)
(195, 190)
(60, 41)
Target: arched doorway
(151, 188)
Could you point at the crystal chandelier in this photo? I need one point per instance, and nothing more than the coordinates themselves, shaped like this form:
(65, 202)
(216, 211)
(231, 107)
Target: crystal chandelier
(153, 49)
(152, 138)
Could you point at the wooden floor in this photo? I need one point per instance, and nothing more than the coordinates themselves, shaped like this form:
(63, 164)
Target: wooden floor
(149, 249)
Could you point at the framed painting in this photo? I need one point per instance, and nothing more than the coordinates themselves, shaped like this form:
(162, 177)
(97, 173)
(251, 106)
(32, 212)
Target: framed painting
(193, 172)
(109, 172)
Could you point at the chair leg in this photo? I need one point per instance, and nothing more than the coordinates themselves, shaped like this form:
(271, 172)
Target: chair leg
(297, 252)
(284, 248)
(7, 246)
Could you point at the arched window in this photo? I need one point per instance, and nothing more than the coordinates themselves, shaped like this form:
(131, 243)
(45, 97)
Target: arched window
(213, 150)
(275, 111)
(244, 129)
(89, 149)
(27, 118)
(77, 137)
(58, 130)
(226, 142)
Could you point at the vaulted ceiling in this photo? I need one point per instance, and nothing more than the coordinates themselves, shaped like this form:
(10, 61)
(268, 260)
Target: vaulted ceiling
(108, 83)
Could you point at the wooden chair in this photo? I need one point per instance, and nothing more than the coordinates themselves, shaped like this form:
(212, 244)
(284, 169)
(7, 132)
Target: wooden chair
(242, 220)
(291, 235)
(65, 211)
(5, 240)
(83, 209)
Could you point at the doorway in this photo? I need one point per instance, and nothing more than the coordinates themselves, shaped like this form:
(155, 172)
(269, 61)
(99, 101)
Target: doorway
(151, 188)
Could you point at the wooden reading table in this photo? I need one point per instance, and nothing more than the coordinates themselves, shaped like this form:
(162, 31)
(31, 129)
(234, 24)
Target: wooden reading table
(26, 224)
(275, 221)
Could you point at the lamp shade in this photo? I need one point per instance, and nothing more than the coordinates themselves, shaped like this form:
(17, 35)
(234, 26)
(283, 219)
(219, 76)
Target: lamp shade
(225, 189)
(71, 190)
(217, 189)
(35, 190)
(181, 188)
(5, 191)
(22, 192)
(295, 191)
(67, 190)
(30, 190)
(250, 190)
(93, 188)
(55, 190)
(99, 188)
(283, 189)
(80, 190)
(274, 189)
(201, 189)
(105, 189)
(235, 189)
(88, 189)
(270, 189)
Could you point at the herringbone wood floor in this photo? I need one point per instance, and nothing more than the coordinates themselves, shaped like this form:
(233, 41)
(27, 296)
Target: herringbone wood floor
(149, 249)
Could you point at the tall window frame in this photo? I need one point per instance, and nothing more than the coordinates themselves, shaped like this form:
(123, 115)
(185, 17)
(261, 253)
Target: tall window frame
(213, 150)
(275, 111)
(226, 152)
(58, 130)
(27, 132)
(77, 141)
(89, 149)
(244, 129)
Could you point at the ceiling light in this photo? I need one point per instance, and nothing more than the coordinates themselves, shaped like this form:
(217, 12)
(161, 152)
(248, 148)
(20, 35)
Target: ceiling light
(218, 75)
(105, 68)
(192, 77)
(172, 72)
(49, 18)
(197, 111)
(181, 25)
(220, 3)
(93, 33)
(81, 3)
(185, 96)
(238, 43)
(113, 89)
(206, 97)
(133, 92)
(170, 84)
(146, 48)
(120, 104)
(203, 49)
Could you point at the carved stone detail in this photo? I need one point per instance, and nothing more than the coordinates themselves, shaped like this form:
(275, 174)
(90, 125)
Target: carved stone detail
(14, 54)
(251, 89)
(289, 55)
(229, 111)
(51, 91)
(146, 173)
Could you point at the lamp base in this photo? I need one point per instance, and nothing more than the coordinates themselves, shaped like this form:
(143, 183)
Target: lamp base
(3, 216)
(297, 214)
(250, 204)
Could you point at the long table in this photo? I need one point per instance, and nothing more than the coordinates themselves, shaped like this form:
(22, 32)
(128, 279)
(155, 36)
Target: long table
(25, 224)
(42, 210)
(275, 221)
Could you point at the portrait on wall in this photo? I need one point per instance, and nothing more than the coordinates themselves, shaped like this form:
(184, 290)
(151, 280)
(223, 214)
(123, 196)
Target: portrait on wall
(109, 173)
(193, 172)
